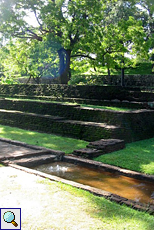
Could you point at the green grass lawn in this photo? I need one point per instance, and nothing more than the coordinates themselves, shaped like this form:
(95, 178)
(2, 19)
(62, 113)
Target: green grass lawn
(141, 68)
(107, 107)
(71, 103)
(102, 214)
(42, 139)
(138, 156)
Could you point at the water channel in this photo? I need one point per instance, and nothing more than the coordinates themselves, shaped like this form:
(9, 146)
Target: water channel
(130, 188)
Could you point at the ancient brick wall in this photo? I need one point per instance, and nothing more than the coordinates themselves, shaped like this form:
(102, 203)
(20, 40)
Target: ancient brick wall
(61, 92)
(83, 123)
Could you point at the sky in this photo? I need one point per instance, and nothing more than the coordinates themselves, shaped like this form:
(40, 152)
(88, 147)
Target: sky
(30, 19)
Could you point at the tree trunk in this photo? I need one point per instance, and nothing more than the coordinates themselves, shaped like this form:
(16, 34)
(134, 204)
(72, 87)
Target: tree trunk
(108, 71)
(64, 65)
(123, 74)
(122, 77)
(109, 75)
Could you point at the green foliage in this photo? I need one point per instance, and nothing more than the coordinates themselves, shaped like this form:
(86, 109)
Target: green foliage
(31, 58)
(96, 34)
(92, 77)
(106, 107)
(140, 68)
(86, 79)
(137, 156)
(104, 213)
(67, 145)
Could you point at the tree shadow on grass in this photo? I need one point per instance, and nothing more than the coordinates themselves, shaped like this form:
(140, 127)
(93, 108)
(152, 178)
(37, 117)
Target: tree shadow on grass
(137, 156)
(56, 142)
(112, 215)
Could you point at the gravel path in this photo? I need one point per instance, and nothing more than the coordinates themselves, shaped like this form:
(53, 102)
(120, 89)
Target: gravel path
(43, 205)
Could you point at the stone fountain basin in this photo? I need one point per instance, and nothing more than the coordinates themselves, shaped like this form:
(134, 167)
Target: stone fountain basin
(22, 156)
(149, 207)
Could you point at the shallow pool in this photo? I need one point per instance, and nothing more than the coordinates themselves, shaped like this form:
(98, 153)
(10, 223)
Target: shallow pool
(130, 188)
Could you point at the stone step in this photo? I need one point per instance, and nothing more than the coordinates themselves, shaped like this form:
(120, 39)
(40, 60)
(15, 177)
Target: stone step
(13, 150)
(107, 145)
(87, 153)
(30, 114)
(69, 111)
(33, 161)
(100, 147)
(39, 107)
(89, 131)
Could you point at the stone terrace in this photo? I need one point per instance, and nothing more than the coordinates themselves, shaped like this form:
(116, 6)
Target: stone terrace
(78, 122)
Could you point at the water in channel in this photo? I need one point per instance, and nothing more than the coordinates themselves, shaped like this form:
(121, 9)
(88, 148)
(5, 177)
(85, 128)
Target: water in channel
(130, 188)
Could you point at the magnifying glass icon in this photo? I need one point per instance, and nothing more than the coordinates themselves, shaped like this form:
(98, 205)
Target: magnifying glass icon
(9, 217)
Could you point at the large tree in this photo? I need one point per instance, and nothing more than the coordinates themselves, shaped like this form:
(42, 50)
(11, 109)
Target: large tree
(31, 58)
(90, 29)
(125, 32)
(65, 23)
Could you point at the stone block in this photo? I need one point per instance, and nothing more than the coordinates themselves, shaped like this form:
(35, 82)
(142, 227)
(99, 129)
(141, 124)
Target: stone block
(87, 153)
(107, 145)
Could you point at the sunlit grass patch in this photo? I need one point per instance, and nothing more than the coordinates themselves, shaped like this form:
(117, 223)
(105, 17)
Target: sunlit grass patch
(104, 213)
(138, 156)
(107, 107)
(115, 108)
(148, 168)
(65, 144)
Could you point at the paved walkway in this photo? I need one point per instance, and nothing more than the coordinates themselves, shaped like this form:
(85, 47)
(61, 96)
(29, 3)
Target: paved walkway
(44, 204)
(8, 150)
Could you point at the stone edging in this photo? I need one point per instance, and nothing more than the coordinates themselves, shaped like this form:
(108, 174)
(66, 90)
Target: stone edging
(107, 167)
(98, 192)
(93, 164)
(35, 147)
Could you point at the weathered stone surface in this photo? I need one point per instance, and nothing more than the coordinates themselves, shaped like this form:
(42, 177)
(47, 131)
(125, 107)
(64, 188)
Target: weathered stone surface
(87, 153)
(107, 167)
(89, 124)
(10, 149)
(113, 197)
(107, 145)
(34, 161)
(97, 148)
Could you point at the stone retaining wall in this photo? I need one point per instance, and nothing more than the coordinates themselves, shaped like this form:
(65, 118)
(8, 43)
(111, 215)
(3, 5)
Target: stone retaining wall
(130, 80)
(88, 131)
(98, 192)
(134, 80)
(77, 92)
(78, 122)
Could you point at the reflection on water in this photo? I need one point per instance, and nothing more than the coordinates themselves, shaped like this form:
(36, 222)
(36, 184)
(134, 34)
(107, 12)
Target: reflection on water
(127, 187)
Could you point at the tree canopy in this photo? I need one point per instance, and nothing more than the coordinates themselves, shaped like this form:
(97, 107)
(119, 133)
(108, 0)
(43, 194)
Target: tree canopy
(101, 32)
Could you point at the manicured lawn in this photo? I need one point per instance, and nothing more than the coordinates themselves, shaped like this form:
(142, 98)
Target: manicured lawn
(141, 69)
(101, 213)
(107, 107)
(82, 105)
(89, 211)
(42, 139)
(138, 156)
(55, 206)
